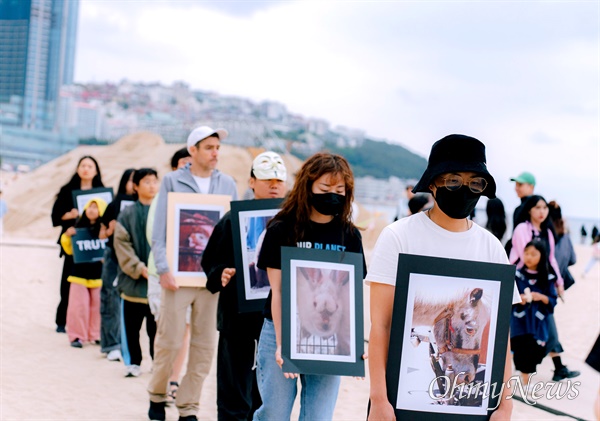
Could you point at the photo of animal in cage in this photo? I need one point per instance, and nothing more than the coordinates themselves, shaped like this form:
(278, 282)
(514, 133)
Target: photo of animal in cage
(323, 311)
(446, 342)
(195, 227)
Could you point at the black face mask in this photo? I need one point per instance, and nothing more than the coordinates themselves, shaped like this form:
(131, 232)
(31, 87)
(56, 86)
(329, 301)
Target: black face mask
(456, 204)
(328, 203)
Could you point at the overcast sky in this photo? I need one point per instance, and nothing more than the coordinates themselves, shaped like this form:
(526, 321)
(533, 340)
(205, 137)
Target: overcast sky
(523, 77)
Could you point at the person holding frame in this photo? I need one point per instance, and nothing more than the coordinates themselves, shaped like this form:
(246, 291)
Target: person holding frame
(316, 214)
(457, 177)
(237, 389)
(65, 214)
(201, 176)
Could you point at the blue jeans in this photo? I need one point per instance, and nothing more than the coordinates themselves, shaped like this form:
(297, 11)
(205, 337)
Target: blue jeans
(319, 392)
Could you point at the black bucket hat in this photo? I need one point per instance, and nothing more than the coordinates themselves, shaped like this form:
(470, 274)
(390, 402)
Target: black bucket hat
(453, 153)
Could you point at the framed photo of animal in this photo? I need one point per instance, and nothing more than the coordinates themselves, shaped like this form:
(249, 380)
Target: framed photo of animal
(322, 312)
(448, 338)
(249, 220)
(191, 219)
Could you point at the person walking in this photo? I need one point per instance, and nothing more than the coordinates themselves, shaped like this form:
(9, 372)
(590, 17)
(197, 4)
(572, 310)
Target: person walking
(316, 212)
(132, 249)
(201, 176)
(237, 389)
(456, 176)
(534, 222)
(64, 215)
(524, 187)
(83, 310)
(110, 302)
(179, 160)
(529, 330)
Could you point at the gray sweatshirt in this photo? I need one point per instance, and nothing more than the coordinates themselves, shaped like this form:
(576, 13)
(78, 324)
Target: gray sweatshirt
(181, 181)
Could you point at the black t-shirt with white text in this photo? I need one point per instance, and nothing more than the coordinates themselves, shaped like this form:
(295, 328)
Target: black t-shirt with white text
(329, 236)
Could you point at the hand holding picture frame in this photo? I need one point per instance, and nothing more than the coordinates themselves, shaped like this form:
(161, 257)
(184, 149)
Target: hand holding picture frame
(191, 218)
(249, 220)
(322, 312)
(450, 327)
(81, 197)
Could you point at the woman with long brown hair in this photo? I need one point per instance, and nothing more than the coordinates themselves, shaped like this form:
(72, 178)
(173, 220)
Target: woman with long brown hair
(316, 214)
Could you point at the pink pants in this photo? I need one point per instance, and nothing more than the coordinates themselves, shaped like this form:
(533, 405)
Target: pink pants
(83, 313)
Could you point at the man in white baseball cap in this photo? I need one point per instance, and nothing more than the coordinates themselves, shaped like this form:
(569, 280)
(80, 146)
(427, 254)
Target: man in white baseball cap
(237, 389)
(201, 176)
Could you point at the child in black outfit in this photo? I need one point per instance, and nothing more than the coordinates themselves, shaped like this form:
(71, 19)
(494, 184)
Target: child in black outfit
(528, 326)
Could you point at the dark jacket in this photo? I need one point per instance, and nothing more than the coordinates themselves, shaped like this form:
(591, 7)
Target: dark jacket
(218, 255)
(133, 249)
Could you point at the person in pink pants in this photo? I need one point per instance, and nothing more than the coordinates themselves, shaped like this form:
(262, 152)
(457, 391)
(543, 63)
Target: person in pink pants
(83, 311)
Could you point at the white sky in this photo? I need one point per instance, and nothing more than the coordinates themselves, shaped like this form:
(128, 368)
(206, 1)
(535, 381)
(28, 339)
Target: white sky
(523, 77)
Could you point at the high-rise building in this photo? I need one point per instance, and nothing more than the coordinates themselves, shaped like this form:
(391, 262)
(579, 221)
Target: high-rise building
(37, 57)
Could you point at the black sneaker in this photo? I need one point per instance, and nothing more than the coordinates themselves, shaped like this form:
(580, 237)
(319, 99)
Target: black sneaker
(76, 344)
(188, 418)
(564, 373)
(61, 329)
(157, 411)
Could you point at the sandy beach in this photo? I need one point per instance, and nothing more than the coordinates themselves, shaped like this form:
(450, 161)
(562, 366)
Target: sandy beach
(43, 378)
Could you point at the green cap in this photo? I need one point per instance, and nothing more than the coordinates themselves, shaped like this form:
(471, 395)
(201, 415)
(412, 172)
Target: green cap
(524, 177)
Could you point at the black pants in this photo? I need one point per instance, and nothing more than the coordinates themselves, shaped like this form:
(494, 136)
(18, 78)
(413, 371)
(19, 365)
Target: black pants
(110, 306)
(61, 311)
(133, 316)
(527, 353)
(237, 390)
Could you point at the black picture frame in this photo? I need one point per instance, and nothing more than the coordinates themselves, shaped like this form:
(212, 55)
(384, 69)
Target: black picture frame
(306, 273)
(248, 218)
(425, 285)
(81, 197)
(86, 247)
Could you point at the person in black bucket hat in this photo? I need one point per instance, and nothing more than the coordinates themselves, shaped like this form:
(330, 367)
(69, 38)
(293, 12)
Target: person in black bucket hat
(456, 176)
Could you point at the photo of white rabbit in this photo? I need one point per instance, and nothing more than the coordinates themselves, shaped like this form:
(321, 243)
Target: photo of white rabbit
(323, 317)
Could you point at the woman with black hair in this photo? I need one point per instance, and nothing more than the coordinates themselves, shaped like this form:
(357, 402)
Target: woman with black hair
(64, 215)
(496, 218)
(534, 223)
(110, 332)
(529, 330)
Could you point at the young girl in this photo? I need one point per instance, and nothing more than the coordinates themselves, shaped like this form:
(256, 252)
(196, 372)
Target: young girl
(83, 311)
(528, 325)
(316, 212)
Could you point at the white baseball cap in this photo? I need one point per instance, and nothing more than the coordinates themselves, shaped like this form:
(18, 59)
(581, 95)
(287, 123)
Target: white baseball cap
(269, 165)
(202, 132)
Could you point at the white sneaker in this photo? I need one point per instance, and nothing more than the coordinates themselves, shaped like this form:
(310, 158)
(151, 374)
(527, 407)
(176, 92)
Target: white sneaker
(133, 371)
(114, 355)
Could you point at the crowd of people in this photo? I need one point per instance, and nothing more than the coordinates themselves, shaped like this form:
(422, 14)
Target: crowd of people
(106, 302)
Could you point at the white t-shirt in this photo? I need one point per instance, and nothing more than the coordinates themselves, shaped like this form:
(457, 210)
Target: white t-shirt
(203, 183)
(417, 234)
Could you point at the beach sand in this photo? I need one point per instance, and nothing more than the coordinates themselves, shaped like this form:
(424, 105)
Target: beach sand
(43, 378)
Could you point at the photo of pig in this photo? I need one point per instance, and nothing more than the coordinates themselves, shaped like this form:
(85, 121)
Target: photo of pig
(323, 311)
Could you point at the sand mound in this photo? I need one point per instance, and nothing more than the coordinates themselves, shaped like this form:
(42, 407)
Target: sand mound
(30, 196)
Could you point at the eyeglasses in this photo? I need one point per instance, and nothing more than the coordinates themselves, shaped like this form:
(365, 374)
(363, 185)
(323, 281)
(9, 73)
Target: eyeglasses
(455, 182)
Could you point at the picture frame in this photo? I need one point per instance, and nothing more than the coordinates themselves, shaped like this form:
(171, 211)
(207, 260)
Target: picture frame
(81, 197)
(249, 220)
(450, 324)
(86, 247)
(322, 312)
(191, 218)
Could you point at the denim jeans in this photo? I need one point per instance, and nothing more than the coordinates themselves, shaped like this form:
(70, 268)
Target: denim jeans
(110, 306)
(318, 395)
